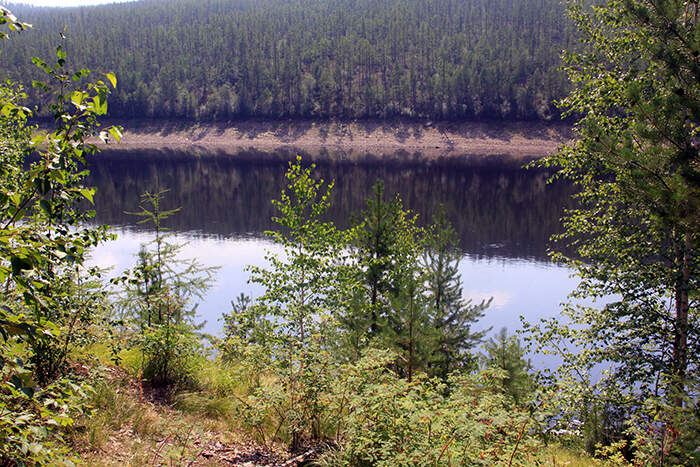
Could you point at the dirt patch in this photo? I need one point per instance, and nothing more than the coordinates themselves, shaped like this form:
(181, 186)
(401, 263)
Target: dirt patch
(351, 141)
(145, 430)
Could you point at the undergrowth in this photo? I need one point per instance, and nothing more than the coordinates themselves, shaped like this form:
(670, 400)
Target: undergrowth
(375, 418)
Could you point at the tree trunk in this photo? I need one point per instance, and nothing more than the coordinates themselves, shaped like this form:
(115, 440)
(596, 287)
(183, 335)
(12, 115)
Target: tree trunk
(680, 333)
(373, 328)
(411, 342)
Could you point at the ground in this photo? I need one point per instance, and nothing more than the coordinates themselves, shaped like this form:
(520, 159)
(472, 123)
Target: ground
(134, 425)
(351, 141)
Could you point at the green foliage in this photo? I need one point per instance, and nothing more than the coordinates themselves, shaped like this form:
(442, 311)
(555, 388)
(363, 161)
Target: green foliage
(80, 304)
(162, 284)
(637, 166)
(636, 235)
(408, 326)
(13, 24)
(675, 442)
(157, 293)
(50, 299)
(300, 288)
(328, 295)
(504, 352)
(410, 296)
(247, 331)
(452, 316)
(393, 422)
(171, 353)
(217, 60)
(386, 240)
(603, 426)
(33, 420)
(294, 314)
(391, 305)
(40, 237)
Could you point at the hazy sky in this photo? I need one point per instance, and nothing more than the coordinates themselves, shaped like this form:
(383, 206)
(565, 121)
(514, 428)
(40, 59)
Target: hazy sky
(62, 2)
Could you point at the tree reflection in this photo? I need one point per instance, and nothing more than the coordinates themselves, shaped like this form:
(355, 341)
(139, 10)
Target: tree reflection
(497, 211)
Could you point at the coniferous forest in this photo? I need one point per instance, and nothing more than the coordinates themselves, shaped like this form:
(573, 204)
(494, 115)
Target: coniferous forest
(220, 60)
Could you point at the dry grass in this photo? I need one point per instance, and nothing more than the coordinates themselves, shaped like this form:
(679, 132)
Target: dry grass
(129, 428)
(132, 426)
(558, 456)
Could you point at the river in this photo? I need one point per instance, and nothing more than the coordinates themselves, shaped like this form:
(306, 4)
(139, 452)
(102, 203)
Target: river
(504, 217)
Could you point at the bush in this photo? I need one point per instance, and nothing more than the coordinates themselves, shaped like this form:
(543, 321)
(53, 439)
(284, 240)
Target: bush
(388, 421)
(170, 354)
(33, 420)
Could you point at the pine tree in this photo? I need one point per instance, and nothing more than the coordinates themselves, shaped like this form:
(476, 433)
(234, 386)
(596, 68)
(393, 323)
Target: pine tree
(378, 241)
(452, 315)
(504, 352)
(158, 294)
(408, 330)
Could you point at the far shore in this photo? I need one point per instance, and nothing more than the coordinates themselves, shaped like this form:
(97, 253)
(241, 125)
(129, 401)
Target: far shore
(349, 141)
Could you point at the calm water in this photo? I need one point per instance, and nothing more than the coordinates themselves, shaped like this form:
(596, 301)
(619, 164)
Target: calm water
(504, 217)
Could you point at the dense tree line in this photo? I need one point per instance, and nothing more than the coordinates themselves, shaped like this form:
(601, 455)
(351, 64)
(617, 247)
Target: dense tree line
(220, 59)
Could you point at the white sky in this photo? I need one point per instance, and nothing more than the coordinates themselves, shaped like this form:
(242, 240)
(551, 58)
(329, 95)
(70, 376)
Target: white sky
(62, 2)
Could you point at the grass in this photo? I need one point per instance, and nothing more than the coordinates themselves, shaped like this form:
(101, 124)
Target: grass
(126, 429)
(130, 428)
(129, 359)
(559, 456)
(129, 425)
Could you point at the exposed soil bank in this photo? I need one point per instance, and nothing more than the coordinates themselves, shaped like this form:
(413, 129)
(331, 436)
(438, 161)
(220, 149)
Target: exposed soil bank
(350, 141)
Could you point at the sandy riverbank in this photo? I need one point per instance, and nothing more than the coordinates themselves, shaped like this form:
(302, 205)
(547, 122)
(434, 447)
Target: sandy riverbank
(350, 140)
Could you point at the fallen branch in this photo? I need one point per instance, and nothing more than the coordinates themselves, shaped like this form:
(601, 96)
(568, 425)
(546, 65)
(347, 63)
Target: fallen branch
(300, 459)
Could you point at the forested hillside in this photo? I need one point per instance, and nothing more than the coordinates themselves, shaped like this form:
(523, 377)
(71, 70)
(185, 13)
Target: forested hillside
(226, 59)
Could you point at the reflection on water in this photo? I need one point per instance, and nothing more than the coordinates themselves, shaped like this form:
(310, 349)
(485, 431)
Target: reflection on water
(503, 216)
(519, 287)
(507, 213)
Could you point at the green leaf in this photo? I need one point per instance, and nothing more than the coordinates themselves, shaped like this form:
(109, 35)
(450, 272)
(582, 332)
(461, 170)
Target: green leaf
(116, 133)
(38, 139)
(41, 64)
(112, 79)
(19, 264)
(88, 194)
(99, 105)
(61, 55)
(45, 206)
(77, 97)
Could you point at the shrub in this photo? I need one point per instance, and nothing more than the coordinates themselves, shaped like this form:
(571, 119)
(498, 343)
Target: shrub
(170, 354)
(33, 420)
(388, 421)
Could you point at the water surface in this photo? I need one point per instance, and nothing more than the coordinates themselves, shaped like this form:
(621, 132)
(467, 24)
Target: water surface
(504, 218)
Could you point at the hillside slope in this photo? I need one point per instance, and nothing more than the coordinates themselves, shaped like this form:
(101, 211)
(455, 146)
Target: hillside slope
(222, 59)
